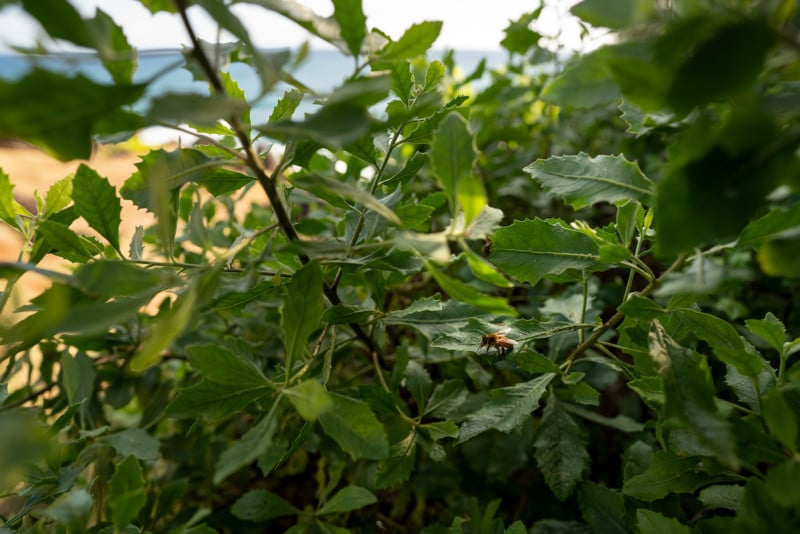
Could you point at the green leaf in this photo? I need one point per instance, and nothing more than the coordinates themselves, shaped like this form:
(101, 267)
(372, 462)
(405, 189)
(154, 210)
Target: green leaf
(432, 317)
(725, 496)
(614, 14)
(397, 468)
(323, 27)
(134, 442)
(333, 126)
(778, 221)
(484, 270)
(419, 384)
(58, 196)
(309, 398)
(770, 329)
(213, 401)
(583, 180)
(222, 366)
(205, 110)
(447, 397)
(531, 249)
(8, 211)
(301, 311)
(118, 57)
(77, 377)
(348, 499)
(719, 67)
(60, 114)
(414, 42)
(519, 36)
(507, 409)
(355, 428)
(262, 505)
(97, 202)
(619, 422)
(329, 188)
(71, 509)
(352, 23)
(452, 156)
(250, 446)
(782, 484)
(64, 240)
(690, 394)
(602, 508)
(459, 290)
(650, 521)
(534, 363)
(285, 107)
(560, 450)
(167, 328)
(127, 493)
(726, 342)
(585, 83)
(780, 418)
(111, 278)
(666, 474)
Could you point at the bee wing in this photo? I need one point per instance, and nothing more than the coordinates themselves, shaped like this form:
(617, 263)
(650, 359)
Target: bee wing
(504, 330)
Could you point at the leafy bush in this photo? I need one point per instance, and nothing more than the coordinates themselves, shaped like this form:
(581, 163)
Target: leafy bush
(320, 361)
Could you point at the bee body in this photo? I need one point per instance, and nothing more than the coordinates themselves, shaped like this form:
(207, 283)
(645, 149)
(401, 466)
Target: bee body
(498, 341)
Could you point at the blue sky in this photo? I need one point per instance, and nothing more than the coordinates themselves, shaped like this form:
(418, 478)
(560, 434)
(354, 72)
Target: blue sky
(468, 24)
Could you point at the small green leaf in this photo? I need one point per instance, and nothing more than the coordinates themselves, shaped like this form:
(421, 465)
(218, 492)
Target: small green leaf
(585, 83)
(118, 56)
(770, 329)
(250, 446)
(309, 398)
(782, 485)
(603, 508)
(285, 107)
(414, 42)
(333, 126)
(301, 311)
(134, 442)
(534, 363)
(262, 505)
(507, 409)
(97, 202)
(528, 250)
(397, 468)
(71, 509)
(560, 450)
(7, 211)
(166, 329)
(348, 499)
(194, 108)
(725, 496)
(452, 156)
(355, 428)
(58, 196)
(63, 240)
(213, 401)
(519, 35)
(327, 188)
(583, 180)
(419, 383)
(773, 224)
(614, 14)
(459, 290)
(127, 494)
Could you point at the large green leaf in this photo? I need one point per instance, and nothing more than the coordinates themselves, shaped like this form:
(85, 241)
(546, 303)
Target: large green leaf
(60, 113)
(583, 180)
(262, 505)
(355, 428)
(97, 202)
(397, 468)
(560, 450)
(301, 311)
(333, 126)
(507, 409)
(531, 249)
(213, 401)
(118, 56)
(432, 317)
(585, 83)
(776, 222)
(415, 41)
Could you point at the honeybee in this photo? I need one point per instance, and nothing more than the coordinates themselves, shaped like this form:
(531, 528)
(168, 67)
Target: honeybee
(498, 341)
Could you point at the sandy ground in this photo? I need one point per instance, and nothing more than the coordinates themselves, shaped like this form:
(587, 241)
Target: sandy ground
(30, 169)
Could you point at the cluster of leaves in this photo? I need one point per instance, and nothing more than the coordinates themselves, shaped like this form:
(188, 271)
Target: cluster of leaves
(630, 221)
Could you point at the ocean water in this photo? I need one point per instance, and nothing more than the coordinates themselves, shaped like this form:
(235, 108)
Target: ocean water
(322, 70)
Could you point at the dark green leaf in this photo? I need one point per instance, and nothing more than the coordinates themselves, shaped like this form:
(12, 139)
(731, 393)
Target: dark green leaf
(71, 509)
(110, 278)
(583, 180)
(97, 202)
(213, 401)
(614, 14)
(560, 450)
(323, 27)
(770, 329)
(452, 155)
(301, 311)
(127, 495)
(584, 83)
(726, 496)
(397, 468)
(780, 418)
(330, 188)
(419, 384)
(507, 409)
(782, 484)
(602, 508)
(528, 250)
(690, 394)
(194, 108)
(222, 366)
(534, 363)
(134, 442)
(262, 505)
(666, 474)
(333, 126)
(119, 58)
(348, 499)
(64, 240)
(252, 445)
(519, 36)
(60, 114)
(776, 222)
(355, 428)
(60, 20)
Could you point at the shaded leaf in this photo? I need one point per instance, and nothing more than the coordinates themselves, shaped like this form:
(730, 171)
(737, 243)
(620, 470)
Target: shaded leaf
(262, 505)
(334, 126)
(250, 446)
(355, 428)
(666, 474)
(134, 442)
(127, 494)
(301, 311)
(222, 366)
(650, 521)
(560, 450)
(348, 499)
(213, 401)
(309, 398)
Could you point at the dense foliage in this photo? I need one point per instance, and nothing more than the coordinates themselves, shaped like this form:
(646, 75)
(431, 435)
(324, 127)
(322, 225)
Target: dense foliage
(628, 219)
